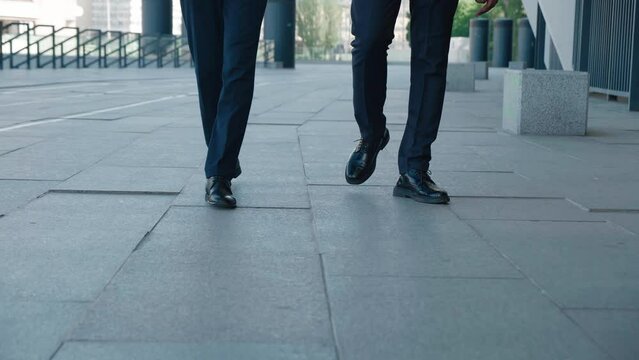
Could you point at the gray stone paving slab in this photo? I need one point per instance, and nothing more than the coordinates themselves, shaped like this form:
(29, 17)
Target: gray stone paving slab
(457, 183)
(66, 247)
(337, 110)
(251, 230)
(33, 330)
(492, 184)
(234, 284)
(337, 149)
(324, 128)
(128, 179)
(270, 134)
(413, 318)
(256, 187)
(220, 296)
(630, 221)
(191, 122)
(304, 104)
(623, 195)
(5, 122)
(318, 173)
(402, 239)
(14, 193)
(59, 158)
(520, 209)
(16, 142)
(160, 150)
(272, 176)
(615, 331)
(578, 264)
(142, 124)
(590, 150)
(284, 118)
(49, 128)
(529, 159)
(191, 351)
(104, 117)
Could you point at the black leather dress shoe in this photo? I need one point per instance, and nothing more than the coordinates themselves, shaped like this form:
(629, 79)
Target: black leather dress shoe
(218, 192)
(363, 160)
(418, 185)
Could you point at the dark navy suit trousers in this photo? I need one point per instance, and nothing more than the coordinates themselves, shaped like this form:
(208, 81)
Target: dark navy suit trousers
(373, 27)
(223, 38)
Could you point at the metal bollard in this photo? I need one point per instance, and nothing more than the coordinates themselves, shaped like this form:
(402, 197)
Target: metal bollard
(502, 42)
(279, 26)
(479, 39)
(526, 43)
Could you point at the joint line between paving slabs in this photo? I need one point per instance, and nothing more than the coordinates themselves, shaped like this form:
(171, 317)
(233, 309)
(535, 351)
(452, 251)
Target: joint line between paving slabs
(57, 350)
(244, 207)
(81, 319)
(145, 239)
(614, 211)
(539, 220)
(537, 286)
(328, 308)
(113, 192)
(432, 277)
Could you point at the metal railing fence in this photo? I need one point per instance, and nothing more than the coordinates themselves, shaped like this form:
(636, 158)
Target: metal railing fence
(23, 45)
(605, 36)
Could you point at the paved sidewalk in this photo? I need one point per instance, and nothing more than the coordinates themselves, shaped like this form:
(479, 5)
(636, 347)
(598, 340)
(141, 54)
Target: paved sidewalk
(108, 251)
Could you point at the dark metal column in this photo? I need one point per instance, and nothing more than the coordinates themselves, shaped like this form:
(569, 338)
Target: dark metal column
(502, 42)
(582, 35)
(540, 41)
(157, 17)
(279, 26)
(633, 98)
(479, 39)
(526, 43)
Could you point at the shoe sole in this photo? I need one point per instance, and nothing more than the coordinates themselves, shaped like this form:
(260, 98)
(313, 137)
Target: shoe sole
(372, 169)
(408, 194)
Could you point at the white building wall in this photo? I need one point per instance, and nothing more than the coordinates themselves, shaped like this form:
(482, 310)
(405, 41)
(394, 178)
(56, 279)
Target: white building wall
(121, 15)
(560, 25)
(49, 12)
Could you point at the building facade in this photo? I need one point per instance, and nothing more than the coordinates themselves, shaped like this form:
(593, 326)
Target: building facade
(51, 12)
(120, 15)
(600, 37)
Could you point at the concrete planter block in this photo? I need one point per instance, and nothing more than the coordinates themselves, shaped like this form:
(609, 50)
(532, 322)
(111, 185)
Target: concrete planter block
(461, 77)
(517, 65)
(543, 102)
(481, 70)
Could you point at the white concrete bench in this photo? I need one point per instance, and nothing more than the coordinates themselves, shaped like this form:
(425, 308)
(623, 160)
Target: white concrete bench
(544, 102)
(517, 65)
(481, 70)
(461, 77)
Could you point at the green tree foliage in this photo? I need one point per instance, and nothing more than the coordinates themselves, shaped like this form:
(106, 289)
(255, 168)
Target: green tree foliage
(318, 25)
(467, 9)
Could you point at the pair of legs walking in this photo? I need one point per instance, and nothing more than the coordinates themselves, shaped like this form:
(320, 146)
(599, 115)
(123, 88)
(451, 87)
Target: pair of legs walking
(430, 31)
(223, 37)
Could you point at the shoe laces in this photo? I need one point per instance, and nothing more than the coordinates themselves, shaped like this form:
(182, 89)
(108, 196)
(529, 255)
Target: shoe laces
(361, 144)
(424, 176)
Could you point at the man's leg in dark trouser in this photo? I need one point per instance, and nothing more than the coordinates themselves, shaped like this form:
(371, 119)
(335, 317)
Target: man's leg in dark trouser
(242, 25)
(203, 22)
(431, 27)
(373, 27)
